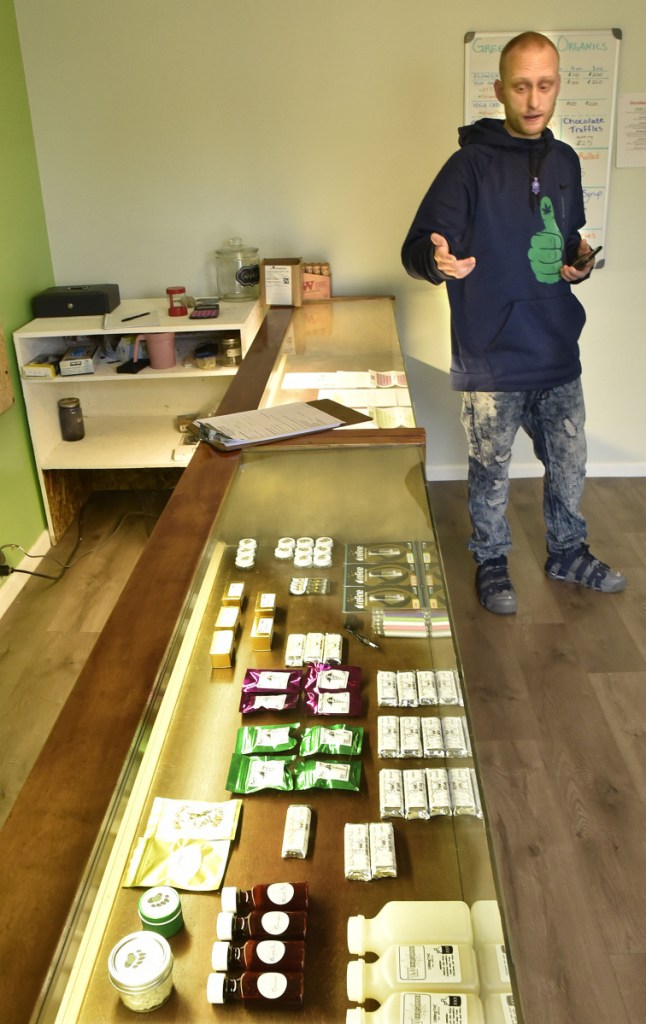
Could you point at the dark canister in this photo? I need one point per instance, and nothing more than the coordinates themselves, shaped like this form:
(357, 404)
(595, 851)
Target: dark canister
(70, 415)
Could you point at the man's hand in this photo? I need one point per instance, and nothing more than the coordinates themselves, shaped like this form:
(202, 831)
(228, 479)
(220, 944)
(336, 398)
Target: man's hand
(446, 262)
(569, 273)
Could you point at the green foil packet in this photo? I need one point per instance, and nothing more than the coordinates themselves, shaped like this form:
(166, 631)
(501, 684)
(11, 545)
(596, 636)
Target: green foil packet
(328, 775)
(346, 740)
(251, 774)
(266, 739)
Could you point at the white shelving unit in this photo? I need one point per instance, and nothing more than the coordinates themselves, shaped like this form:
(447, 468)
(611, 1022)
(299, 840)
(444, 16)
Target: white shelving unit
(130, 419)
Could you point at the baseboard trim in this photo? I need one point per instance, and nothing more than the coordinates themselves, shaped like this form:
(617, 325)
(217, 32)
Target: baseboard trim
(14, 583)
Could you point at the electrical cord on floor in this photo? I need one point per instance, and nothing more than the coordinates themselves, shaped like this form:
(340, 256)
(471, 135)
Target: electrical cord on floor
(7, 570)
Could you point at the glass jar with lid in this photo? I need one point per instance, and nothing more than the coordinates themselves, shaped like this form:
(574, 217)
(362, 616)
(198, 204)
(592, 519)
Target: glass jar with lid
(238, 270)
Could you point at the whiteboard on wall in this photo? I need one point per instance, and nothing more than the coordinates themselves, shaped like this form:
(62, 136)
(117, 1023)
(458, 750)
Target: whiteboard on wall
(584, 112)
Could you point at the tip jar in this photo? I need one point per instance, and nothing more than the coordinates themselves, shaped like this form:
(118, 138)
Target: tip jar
(238, 270)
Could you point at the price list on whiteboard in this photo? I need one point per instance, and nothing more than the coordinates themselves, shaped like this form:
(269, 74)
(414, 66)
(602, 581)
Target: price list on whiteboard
(584, 112)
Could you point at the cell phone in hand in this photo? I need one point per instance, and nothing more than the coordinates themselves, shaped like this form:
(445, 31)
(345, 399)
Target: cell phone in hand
(587, 257)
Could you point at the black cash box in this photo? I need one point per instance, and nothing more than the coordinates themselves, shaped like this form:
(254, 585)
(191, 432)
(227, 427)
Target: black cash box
(76, 300)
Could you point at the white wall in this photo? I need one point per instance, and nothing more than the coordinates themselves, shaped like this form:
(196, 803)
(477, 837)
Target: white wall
(163, 128)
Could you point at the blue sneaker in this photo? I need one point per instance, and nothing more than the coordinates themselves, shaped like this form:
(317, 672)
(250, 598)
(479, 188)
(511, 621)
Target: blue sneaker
(580, 567)
(494, 587)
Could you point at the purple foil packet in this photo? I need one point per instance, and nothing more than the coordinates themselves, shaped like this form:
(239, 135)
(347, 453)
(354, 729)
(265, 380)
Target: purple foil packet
(340, 702)
(261, 680)
(250, 702)
(332, 678)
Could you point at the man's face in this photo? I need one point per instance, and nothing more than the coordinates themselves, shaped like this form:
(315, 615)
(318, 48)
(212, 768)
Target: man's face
(528, 90)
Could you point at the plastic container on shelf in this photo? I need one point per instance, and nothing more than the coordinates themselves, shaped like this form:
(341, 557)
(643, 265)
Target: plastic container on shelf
(275, 896)
(410, 921)
(422, 1008)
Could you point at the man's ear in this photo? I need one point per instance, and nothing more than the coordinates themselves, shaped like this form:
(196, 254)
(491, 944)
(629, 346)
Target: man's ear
(497, 88)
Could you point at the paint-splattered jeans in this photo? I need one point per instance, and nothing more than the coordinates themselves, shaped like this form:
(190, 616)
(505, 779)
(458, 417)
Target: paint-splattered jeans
(554, 419)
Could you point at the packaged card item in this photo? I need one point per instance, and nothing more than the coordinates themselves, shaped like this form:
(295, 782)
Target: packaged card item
(383, 861)
(271, 681)
(251, 774)
(426, 687)
(463, 788)
(407, 690)
(410, 736)
(346, 740)
(266, 739)
(295, 650)
(314, 644)
(432, 737)
(387, 736)
(456, 737)
(415, 793)
(437, 786)
(386, 689)
(448, 687)
(194, 864)
(296, 837)
(333, 649)
(356, 852)
(250, 702)
(391, 793)
(328, 775)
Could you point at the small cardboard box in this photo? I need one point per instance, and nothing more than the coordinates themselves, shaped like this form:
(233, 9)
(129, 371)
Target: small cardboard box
(47, 364)
(317, 282)
(80, 358)
(281, 281)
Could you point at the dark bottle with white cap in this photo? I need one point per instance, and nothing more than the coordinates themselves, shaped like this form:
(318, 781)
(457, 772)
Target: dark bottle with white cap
(256, 987)
(277, 896)
(262, 924)
(259, 955)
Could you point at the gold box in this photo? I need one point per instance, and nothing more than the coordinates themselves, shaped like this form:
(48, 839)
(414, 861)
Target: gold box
(228, 617)
(221, 652)
(234, 594)
(265, 604)
(262, 633)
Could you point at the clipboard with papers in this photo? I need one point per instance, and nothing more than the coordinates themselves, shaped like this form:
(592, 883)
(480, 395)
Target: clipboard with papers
(261, 426)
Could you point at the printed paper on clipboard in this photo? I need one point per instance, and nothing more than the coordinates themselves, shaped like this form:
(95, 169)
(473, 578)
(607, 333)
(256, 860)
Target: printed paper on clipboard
(261, 426)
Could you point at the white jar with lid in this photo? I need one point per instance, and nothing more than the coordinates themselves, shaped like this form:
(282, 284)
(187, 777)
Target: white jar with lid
(140, 967)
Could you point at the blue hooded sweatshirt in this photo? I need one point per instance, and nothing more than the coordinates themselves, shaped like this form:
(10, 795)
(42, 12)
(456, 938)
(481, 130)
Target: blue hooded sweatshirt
(517, 206)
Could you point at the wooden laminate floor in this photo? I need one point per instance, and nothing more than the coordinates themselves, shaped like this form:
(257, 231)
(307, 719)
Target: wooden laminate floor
(556, 696)
(51, 627)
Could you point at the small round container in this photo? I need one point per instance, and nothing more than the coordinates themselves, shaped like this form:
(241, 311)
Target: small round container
(230, 348)
(247, 544)
(140, 967)
(160, 911)
(70, 417)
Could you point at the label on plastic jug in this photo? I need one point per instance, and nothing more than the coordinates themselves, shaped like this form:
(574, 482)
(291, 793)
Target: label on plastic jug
(433, 964)
(424, 1008)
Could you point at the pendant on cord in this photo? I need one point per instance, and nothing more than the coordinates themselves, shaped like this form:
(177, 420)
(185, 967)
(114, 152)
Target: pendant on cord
(536, 186)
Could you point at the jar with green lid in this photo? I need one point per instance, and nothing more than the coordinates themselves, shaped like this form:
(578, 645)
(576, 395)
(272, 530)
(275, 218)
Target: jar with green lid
(160, 910)
(140, 968)
(238, 270)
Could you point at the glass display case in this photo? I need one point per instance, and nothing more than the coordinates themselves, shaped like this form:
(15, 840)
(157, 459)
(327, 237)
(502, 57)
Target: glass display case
(371, 499)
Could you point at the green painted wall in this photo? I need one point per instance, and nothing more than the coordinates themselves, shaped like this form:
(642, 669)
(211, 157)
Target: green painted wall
(25, 269)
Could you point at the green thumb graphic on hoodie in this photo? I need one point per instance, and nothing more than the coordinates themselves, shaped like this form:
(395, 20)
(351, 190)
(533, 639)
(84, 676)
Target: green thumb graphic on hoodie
(546, 247)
